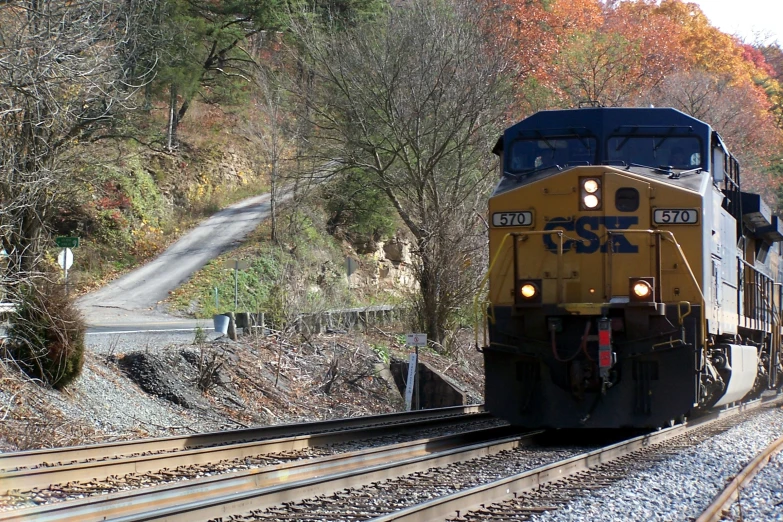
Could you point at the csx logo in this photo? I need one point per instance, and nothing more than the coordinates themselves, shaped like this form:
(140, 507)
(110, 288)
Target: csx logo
(587, 227)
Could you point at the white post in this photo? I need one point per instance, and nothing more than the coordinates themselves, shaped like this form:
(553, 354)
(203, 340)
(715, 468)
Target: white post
(236, 284)
(412, 364)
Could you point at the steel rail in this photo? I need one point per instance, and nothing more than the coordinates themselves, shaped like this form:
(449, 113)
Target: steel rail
(75, 454)
(136, 502)
(452, 506)
(302, 489)
(725, 498)
(27, 479)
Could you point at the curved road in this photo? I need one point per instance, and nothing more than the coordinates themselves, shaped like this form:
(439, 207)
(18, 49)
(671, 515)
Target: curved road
(132, 301)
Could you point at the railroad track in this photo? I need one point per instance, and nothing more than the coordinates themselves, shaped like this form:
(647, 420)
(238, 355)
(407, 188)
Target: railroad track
(481, 473)
(485, 481)
(205, 497)
(46, 458)
(36, 477)
(549, 487)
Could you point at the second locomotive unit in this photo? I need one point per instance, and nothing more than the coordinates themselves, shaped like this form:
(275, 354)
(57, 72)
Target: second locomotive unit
(632, 282)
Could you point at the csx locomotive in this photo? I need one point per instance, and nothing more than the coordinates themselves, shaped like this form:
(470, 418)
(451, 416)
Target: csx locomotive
(632, 283)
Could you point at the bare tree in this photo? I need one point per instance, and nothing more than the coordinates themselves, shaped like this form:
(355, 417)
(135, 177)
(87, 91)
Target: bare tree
(415, 103)
(738, 111)
(599, 67)
(274, 132)
(63, 79)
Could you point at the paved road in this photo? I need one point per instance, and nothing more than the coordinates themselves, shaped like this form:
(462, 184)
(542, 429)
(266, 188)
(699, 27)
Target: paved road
(132, 302)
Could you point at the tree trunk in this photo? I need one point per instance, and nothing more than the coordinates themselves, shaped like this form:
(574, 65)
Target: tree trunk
(171, 138)
(429, 285)
(273, 201)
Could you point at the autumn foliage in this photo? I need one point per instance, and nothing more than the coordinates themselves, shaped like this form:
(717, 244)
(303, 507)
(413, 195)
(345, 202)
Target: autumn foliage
(647, 52)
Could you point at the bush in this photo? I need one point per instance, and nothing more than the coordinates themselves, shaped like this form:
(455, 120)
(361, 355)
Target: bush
(359, 208)
(47, 335)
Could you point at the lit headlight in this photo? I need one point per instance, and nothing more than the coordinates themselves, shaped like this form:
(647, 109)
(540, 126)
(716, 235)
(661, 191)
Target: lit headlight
(642, 289)
(590, 201)
(590, 193)
(528, 291)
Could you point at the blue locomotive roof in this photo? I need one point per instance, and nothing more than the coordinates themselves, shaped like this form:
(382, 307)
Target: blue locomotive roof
(605, 121)
(649, 140)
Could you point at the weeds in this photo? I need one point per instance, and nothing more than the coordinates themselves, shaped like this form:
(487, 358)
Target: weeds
(382, 351)
(209, 364)
(200, 335)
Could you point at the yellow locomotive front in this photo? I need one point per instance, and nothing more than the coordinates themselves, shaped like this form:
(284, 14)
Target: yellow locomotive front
(599, 265)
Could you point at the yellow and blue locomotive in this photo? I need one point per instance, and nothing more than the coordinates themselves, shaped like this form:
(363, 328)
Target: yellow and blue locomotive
(632, 282)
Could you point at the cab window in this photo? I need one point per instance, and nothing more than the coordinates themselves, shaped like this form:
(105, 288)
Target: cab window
(679, 152)
(526, 155)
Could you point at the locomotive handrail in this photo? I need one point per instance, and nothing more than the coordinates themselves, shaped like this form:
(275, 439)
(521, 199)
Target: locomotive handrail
(673, 239)
(482, 285)
(666, 234)
(669, 236)
(485, 279)
(757, 302)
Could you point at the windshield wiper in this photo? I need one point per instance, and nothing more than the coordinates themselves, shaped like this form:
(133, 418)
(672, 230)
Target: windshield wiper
(625, 140)
(626, 166)
(663, 139)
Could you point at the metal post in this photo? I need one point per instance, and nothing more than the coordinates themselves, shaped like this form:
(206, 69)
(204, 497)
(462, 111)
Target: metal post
(560, 274)
(217, 304)
(236, 284)
(416, 380)
(658, 268)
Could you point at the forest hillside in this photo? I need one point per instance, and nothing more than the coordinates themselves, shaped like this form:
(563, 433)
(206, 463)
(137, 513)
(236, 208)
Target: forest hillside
(124, 122)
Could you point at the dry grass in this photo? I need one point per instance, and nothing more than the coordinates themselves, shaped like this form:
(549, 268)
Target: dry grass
(27, 419)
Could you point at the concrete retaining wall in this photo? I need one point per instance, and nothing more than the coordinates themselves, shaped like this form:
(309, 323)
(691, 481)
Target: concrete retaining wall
(435, 391)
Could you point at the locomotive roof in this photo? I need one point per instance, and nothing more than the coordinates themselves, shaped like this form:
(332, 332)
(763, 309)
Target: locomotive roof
(604, 121)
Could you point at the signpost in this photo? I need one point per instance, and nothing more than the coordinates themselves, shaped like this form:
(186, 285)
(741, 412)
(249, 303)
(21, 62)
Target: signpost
(413, 363)
(66, 242)
(65, 260)
(236, 265)
(413, 339)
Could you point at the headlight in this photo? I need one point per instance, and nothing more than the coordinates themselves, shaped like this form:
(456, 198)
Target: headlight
(528, 292)
(590, 193)
(590, 201)
(641, 289)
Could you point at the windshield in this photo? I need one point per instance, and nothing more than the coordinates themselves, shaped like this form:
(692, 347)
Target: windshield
(527, 155)
(678, 152)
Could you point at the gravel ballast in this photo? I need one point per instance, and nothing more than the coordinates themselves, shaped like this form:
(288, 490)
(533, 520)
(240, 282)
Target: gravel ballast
(763, 498)
(681, 487)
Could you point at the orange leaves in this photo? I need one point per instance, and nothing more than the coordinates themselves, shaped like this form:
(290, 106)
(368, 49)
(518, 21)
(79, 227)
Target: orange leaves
(538, 28)
(615, 52)
(658, 36)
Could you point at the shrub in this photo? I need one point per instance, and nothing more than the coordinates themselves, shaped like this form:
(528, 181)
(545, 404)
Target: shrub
(359, 208)
(47, 334)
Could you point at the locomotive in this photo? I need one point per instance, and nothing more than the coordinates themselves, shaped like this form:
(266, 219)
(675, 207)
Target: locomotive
(632, 283)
